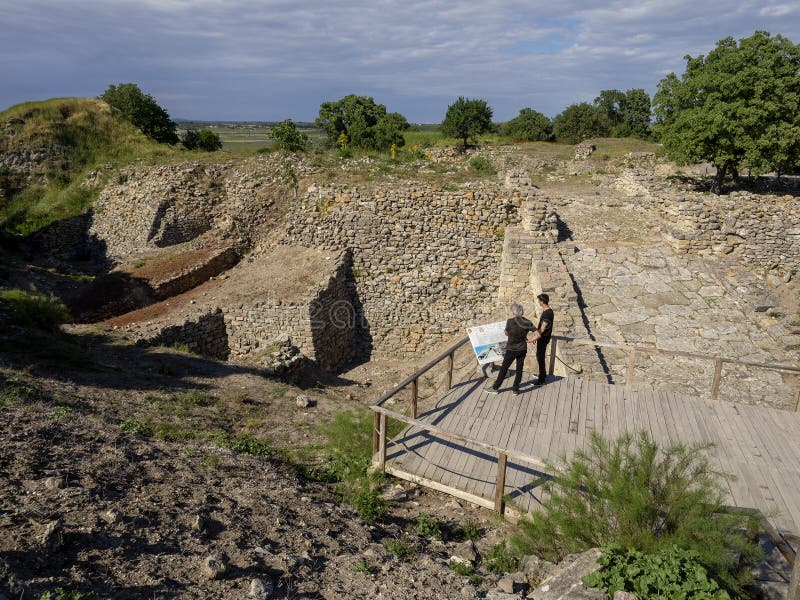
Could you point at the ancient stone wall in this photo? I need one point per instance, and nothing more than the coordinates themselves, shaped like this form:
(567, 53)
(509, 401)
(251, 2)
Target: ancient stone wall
(321, 325)
(760, 230)
(425, 260)
(63, 240)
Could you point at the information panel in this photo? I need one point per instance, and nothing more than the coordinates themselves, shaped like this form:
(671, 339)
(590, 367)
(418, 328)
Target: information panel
(488, 341)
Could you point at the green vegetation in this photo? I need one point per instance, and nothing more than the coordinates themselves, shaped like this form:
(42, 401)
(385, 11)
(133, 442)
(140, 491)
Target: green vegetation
(401, 548)
(427, 526)
(470, 530)
(367, 501)
(529, 125)
(60, 412)
(628, 112)
(205, 140)
(358, 122)
(669, 573)
(500, 559)
(462, 568)
(136, 427)
(481, 166)
(632, 493)
(288, 137)
(364, 567)
(32, 309)
(466, 119)
(581, 121)
(62, 594)
(16, 390)
(77, 135)
(142, 111)
(736, 108)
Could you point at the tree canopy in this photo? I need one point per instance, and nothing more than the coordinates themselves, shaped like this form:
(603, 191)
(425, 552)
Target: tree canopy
(628, 112)
(205, 139)
(529, 125)
(142, 110)
(365, 124)
(737, 107)
(466, 119)
(581, 121)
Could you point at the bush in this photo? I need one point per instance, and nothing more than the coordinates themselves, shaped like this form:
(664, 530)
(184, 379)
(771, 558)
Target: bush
(671, 573)
(427, 526)
(529, 125)
(581, 121)
(368, 502)
(142, 110)
(288, 137)
(481, 166)
(400, 548)
(632, 493)
(31, 309)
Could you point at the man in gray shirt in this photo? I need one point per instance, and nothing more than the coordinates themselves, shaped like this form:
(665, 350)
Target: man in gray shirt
(517, 329)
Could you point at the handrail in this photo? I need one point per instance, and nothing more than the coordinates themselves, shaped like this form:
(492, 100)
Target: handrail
(416, 375)
(654, 350)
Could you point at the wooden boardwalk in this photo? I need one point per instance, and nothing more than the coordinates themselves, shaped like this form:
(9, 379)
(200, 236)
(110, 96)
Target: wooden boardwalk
(760, 446)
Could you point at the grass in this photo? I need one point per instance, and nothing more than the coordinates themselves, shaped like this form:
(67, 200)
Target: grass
(32, 309)
(15, 390)
(401, 548)
(427, 526)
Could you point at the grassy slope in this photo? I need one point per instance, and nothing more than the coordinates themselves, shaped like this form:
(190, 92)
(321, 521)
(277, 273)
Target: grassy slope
(88, 136)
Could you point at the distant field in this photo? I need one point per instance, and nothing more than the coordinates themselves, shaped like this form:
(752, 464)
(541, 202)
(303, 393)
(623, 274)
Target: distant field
(247, 136)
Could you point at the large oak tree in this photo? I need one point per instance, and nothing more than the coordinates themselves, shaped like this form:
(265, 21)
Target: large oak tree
(738, 107)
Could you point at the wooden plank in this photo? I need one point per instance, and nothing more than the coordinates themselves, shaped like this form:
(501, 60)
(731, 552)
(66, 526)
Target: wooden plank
(434, 485)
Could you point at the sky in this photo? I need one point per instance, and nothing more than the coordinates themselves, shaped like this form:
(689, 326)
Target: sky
(270, 60)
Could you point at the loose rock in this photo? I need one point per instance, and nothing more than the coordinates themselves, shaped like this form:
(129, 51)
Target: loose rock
(214, 567)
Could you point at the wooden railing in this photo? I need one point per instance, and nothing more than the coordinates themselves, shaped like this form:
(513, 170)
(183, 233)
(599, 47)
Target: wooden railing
(379, 440)
(634, 350)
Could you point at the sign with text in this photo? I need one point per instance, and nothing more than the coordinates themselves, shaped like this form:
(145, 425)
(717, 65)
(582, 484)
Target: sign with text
(488, 341)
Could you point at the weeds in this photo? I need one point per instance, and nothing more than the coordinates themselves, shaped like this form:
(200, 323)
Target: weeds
(427, 526)
(16, 390)
(62, 594)
(469, 531)
(31, 309)
(400, 548)
(363, 567)
(500, 559)
(481, 166)
(136, 427)
(60, 412)
(368, 502)
(465, 569)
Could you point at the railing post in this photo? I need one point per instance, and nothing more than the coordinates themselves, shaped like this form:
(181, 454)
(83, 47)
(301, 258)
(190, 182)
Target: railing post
(450, 360)
(631, 365)
(382, 444)
(376, 423)
(414, 396)
(551, 368)
(717, 377)
(499, 503)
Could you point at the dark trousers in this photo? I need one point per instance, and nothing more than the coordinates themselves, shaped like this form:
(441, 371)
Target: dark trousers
(541, 349)
(509, 357)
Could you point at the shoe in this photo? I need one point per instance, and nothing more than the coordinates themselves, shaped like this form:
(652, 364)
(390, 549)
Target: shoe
(492, 390)
(539, 382)
(516, 392)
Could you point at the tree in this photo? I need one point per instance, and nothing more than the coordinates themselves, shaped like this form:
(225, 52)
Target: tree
(142, 110)
(529, 125)
(628, 112)
(466, 119)
(737, 107)
(365, 124)
(205, 139)
(581, 121)
(288, 137)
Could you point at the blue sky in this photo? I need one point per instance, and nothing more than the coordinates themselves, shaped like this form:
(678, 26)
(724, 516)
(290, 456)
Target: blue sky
(276, 59)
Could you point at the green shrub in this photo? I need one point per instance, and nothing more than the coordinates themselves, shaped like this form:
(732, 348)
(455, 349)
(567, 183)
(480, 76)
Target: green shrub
(31, 309)
(401, 548)
(462, 568)
(246, 444)
(632, 493)
(500, 559)
(481, 166)
(288, 137)
(670, 573)
(427, 526)
(368, 502)
(136, 427)
(363, 567)
(470, 530)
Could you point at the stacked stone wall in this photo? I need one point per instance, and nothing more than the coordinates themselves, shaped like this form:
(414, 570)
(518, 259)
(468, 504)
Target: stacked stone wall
(63, 240)
(762, 231)
(425, 260)
(321, 325)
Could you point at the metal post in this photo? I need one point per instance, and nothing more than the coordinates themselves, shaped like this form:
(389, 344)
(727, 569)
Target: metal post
(499, 504)
(450, 360)
(553, 343)
(382, 451)
(414, 396)
(717, 377)
(631, 365)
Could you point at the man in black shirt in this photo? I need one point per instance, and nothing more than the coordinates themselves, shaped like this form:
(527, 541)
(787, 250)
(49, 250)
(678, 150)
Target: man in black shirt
(542, 335)
(517, 328)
